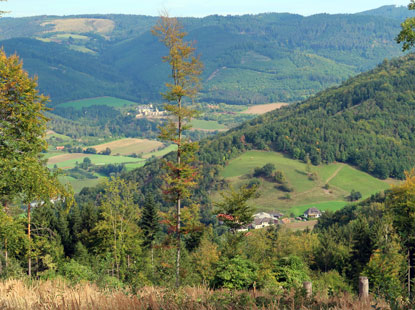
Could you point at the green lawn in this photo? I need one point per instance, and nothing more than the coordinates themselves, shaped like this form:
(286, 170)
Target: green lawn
(207, 125)
(108, 101)
(307, 193)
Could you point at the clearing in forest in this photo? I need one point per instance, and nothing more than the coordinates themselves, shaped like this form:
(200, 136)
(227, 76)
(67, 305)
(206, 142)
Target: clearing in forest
(264, 108)
(81, 25)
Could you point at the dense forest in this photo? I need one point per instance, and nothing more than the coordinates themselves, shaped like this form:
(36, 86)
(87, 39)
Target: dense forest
(248, 59)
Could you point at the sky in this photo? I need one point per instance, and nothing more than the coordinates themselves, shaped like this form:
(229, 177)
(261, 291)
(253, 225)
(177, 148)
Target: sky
(196, 8)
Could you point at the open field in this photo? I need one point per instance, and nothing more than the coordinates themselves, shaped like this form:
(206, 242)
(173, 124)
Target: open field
(65, 157)
(68, 161)
(108, 101)
(51, 135)
(264, 108)
(162, 152)
(78, 185)
(207, 125)
(307, 193)
(81, 25)
(129, 146)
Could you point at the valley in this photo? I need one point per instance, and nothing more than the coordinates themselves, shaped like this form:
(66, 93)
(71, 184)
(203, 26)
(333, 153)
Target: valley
(257, 161)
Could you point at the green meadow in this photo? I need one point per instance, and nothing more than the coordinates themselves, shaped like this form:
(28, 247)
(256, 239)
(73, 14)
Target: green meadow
(207, 125)
(96, 160)
(341, 179)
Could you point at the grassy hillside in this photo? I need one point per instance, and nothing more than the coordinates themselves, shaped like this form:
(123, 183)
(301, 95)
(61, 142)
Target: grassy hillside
(341, 178)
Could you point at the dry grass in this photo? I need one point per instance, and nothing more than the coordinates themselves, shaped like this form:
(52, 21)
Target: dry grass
(264, 108)
(129, 146)
(51, 295)
(64, 157)
(82, 25)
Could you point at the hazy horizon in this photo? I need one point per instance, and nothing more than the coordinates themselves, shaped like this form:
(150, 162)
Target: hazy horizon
(189, 8)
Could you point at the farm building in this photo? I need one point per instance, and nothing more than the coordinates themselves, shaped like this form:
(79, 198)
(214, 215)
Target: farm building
(312, 213)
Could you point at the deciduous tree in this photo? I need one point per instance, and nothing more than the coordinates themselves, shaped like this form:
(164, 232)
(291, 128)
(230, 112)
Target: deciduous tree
(185, 71)
(23, 171)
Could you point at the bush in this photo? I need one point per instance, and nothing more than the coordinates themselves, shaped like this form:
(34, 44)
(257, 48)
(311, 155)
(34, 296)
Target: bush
(75, 272)
(331, 283)
(291, 272)
(235, 273)
(285, 188)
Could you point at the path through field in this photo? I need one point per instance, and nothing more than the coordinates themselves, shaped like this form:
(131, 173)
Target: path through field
(335, 173)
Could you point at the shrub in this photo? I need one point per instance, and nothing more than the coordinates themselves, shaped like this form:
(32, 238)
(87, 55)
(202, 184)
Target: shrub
(285, 188)
(291, 272)
(75, 272)
(235, 273)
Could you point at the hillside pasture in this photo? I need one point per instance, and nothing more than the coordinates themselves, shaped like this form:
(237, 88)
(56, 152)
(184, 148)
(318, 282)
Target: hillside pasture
(129, 146)
(199, 124)
(341, 179)
(108, 101)
(78, 185)
(81, 25)
(264, 108)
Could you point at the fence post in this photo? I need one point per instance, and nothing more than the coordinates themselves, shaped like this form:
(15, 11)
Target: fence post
(363, 288)
(308, 287)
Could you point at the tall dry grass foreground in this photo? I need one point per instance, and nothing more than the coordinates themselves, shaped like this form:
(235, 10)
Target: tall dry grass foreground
(51, 295)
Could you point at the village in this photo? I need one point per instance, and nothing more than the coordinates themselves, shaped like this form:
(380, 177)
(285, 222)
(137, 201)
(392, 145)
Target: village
(264, 219)
(148, 110)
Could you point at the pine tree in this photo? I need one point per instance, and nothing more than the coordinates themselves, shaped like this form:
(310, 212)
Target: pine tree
(149, 224)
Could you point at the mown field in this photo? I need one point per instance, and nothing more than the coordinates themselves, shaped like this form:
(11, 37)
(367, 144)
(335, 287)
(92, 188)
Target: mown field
(264, 108)
(341, 180)
(108, 101)
(130, 146)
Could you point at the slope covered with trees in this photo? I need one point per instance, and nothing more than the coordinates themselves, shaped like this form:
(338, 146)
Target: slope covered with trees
(248, 59)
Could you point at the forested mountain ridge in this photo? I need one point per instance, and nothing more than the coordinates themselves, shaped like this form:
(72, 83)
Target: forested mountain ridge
(368, 122)
(248, 59)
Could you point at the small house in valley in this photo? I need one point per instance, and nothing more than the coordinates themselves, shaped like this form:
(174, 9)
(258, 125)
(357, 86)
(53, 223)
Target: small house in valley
(312, 213)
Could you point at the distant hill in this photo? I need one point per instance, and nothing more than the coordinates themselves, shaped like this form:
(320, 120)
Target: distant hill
(248, 59)
(390, 11)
